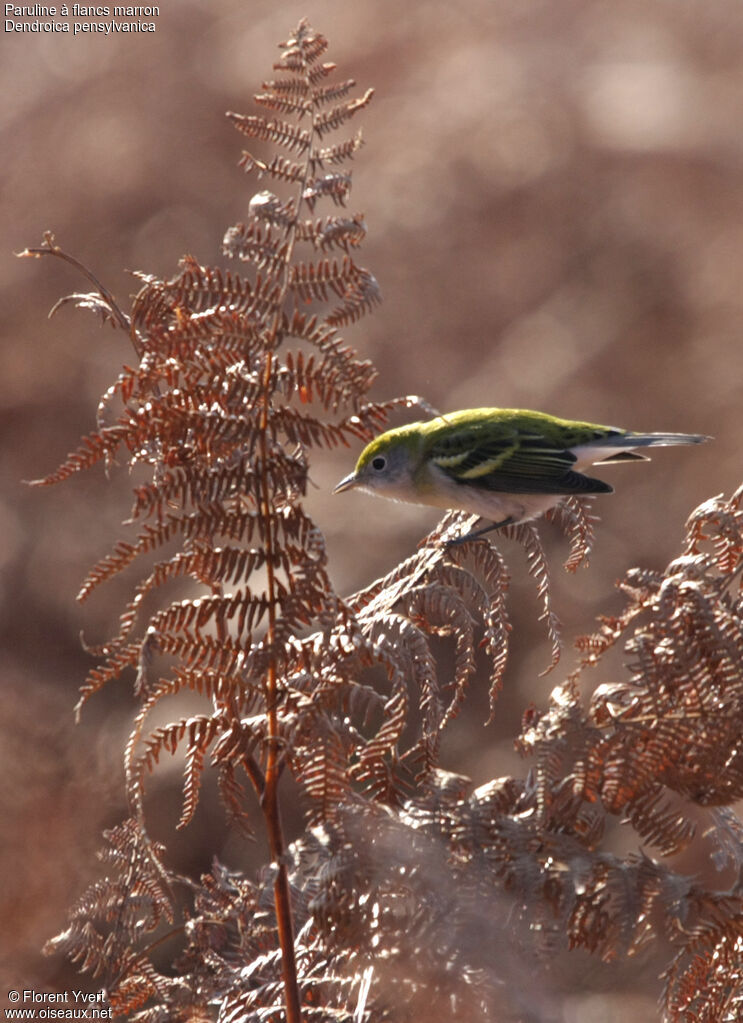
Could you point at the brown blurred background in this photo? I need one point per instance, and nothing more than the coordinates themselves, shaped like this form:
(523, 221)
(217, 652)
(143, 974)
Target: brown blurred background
(554, 194)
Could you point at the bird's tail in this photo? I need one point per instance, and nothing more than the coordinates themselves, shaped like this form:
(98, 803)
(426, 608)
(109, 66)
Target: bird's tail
(620, 447)
(642, 440)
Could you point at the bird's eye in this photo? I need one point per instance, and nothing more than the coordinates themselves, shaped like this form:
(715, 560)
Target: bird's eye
(379, 463)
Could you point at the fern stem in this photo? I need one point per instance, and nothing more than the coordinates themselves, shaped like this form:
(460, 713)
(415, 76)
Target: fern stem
(50, 248)
(270, 801)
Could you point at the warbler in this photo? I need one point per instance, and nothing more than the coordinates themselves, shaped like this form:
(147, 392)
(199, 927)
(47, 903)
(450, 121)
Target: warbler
(505, 465)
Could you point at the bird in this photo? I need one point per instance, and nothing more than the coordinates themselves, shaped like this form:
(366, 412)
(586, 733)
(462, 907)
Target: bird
(504, 465)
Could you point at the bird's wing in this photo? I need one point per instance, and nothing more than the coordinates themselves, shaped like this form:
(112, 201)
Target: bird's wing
(510, 462)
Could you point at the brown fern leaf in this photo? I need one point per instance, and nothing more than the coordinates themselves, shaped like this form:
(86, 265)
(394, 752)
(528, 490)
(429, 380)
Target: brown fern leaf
(135, 900)
(334, 185)
(322, 94)
(284, 101)
(597, 643)
(527, 535)
(316, 74)
(403, 649)
(705, 980)
(359, 298)
(152, 537)
(717, 521)
(207, 410)
(659, 822)
(318, 280)
(193, 350)
(192, 780)
(280, 133)
(93, 302)
(492, 581)
(302, 48)
(254, 243)
(135, 989)
(573, 517)
(683, 705)
(307, 430)
(121, 658)
(237, 615)
(439, 596)
(310, 379)
(268, 207)
(201, 731)
(137, 858)
(334, 118)
(336, 154)
(278, 167)
(441, 609)
(558, 737)
(101, 300)
(212, 566)
(206, 652)
(378, 767)
(287, 86)
(102, 444)
(82, 944)
(357, 375)
(225, 690)
(333, 232)
(232, 796)
(322, 770)
(201, 526)
(726, 832)
(229, 693)
(200, 289)
(211, 487)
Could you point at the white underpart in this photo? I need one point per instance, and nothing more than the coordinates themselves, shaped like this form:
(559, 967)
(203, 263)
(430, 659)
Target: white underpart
(590, 454)
(489, 504)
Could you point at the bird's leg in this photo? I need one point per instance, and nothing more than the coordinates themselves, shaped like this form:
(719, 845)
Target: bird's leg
(477, 533)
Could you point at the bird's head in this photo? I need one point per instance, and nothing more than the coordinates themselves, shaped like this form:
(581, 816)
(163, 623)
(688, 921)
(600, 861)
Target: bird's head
(386, 466)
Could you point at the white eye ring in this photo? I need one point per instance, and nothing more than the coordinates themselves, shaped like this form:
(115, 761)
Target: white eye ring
(379, 463)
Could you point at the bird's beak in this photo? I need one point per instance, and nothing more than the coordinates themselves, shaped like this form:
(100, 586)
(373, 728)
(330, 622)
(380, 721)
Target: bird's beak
(346, 483)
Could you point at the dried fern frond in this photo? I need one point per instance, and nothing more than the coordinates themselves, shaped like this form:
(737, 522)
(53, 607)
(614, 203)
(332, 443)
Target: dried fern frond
(682, 706)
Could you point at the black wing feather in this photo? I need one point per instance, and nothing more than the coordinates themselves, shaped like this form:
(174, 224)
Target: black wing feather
(569, 483)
